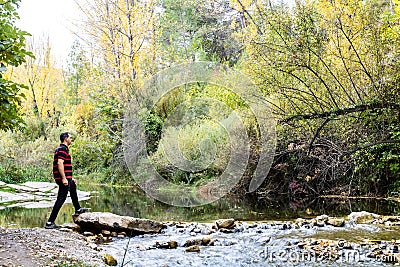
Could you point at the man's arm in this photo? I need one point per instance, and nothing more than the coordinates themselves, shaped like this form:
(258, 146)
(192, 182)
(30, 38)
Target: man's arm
(60, 165)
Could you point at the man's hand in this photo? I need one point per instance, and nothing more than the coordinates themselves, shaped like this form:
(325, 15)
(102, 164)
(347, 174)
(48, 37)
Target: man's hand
(64, 181)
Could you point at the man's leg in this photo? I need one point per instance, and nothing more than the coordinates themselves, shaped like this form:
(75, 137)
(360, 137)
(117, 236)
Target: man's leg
(61, 197)
(73, 194)
(74, 198)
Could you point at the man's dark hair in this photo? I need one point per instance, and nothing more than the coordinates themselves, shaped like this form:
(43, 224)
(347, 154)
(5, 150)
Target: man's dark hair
(63, 136)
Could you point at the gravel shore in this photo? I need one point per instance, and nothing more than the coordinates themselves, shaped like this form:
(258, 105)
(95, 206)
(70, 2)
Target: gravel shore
(42, 247)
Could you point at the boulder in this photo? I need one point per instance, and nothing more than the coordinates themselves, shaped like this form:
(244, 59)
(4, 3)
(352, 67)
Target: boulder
(109, 260)
(337, 222)
(98, 221)
(321, 220)
(363, 217)
(205, 241)
(194, 248)
(225, 223)
(167, 245)
(300, 221)
(390, 219)
(172, 244)
(73, 226)
(106, 232)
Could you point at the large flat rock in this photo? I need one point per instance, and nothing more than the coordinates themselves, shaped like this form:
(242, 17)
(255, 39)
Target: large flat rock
(33, 195)
(97, 221)
(12, 197)
(21, 188)
(33, 204)
(363, 217)
(41, 186)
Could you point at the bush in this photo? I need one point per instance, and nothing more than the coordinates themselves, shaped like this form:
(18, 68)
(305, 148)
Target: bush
(378, 167)
(13, 174)
(90, 155)
(25, 159)
(203, 144)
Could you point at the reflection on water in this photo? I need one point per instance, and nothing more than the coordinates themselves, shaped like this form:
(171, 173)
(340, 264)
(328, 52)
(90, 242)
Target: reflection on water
(133, 202)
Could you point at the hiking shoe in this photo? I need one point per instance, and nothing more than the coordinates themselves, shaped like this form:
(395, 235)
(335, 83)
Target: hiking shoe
(80, 211)
(52, 225)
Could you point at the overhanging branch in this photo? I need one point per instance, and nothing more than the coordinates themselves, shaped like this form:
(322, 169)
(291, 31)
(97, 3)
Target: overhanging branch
(344, 111)
(348, 153)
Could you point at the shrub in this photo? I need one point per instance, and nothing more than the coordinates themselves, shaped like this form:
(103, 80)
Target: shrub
(25, 159)
(90, 155)
(203, 144)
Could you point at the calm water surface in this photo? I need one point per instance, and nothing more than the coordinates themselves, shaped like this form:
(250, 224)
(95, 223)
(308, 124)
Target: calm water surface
(245, 248)
(131, 201)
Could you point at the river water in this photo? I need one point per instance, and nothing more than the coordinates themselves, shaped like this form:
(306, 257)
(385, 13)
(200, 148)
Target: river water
(133, 202)
(265, 235)
(254, 244)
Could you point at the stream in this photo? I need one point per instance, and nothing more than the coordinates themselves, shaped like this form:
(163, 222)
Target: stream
(131, 201)
(258, 244)
(266, 234)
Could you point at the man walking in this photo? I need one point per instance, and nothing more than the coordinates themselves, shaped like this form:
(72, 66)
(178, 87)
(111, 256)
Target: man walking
(62, 172)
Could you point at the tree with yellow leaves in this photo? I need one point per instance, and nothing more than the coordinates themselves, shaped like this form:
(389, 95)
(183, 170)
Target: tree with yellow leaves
(329, 68)
(45, 85)
(121, 33)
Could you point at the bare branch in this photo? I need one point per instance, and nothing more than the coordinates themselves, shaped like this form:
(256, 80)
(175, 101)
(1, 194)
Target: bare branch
(344, 111)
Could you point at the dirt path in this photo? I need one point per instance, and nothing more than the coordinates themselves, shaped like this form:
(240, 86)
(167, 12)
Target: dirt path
(42, 247)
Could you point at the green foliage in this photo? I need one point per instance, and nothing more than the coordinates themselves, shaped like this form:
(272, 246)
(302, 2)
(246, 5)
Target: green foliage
(12, 53)
(90, 155)
(331, 60)
(76, 72)
(198, 143)
(10, 100)
(23, 158)
(33, 128)
(379, 165)
(199, 30)
(108, 114)
(13, 174)
(321, 57)
(191, 120)
(153, 127)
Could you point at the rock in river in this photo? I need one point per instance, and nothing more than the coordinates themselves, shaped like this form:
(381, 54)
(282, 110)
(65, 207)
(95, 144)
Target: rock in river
(337, 222)
(98, 221)
(194, 248)
(363, 217)
(225, 223)
(110, 260)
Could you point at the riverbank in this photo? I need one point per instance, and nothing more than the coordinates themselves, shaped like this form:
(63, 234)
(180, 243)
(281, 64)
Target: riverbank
(42, 247)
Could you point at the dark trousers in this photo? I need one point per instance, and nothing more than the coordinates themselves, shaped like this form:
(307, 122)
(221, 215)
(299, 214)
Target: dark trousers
(62, 196)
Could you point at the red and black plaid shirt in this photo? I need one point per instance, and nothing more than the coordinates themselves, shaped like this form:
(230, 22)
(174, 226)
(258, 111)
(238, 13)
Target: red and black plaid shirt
(62, 152)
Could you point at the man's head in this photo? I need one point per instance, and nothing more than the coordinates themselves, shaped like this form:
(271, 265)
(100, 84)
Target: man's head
(66, 138)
